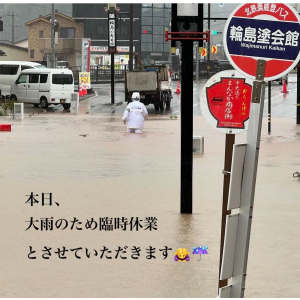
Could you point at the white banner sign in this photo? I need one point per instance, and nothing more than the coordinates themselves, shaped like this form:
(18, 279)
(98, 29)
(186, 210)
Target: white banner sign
(111, 31)
(85, 55)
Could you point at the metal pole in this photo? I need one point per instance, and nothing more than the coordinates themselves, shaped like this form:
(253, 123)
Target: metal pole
(208, 42)
(187, 128)
(112, 71)
(52, 38)
(269, 107)
(197, 61)
(12, 15)
(130, 64)
(248, 186)
(298, 97)
(13, 29)
(230, 139)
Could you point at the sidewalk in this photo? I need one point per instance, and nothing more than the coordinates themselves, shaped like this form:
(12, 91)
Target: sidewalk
(94, 169)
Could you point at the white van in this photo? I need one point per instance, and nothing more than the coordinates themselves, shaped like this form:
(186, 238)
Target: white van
(10, 71)
(62, 65)
(44, 87)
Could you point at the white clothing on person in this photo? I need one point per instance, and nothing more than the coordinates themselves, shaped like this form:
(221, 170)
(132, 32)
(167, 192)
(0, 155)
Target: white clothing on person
(135, 114)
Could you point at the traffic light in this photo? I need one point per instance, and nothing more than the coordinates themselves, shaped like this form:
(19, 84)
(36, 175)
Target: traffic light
(1, 25)
(213, 32)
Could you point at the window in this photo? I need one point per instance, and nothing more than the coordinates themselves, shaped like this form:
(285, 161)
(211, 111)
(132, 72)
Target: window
(158, 12)
(158, 47)
(25, 67)
(146, 38)
(100, 29)
(33, 78)
(146, 29)
(147, 21)
(67, 32)
(62, 79)
(123, 29)
(147, 12)
(41, 34)
(31, 53)
(9, 69)
(158, 21)
(158, 38)
(22, 78)
(62, 58)
(43, 78)
(158, 30)
(146, 46)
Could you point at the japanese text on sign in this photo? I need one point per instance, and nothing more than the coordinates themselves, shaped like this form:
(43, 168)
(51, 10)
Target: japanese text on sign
(264, 36)
(84, 79)
(268, 7)
(111, 31)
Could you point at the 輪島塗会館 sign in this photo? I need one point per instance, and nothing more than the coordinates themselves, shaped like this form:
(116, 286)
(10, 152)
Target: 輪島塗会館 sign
(225, 101)
(268, 31)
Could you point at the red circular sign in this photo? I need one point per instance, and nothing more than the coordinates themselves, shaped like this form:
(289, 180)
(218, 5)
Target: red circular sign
(268, 31)
(225, 101)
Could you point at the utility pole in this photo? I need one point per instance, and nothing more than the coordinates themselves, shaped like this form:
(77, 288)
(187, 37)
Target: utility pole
(197, 61)
(181, 26)
(12, 14)
(112, 48)
(208, 42)
(52, 37)
(130, 64)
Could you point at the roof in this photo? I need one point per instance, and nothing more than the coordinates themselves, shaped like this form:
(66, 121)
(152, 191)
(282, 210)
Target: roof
(47, 70)
(12, 62)
(45, 18)
(12, 46)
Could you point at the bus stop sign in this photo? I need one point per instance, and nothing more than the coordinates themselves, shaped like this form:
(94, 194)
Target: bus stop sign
(268, 31)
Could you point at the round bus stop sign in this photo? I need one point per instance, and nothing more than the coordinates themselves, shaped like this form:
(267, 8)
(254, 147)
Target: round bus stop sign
(225, 101)
(268, 31)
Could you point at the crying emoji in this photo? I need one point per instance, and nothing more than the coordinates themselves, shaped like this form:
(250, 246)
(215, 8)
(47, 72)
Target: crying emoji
(181, 255)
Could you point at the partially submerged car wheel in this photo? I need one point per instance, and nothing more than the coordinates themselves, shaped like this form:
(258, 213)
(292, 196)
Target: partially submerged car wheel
(13, 98)
(44, 103)
(66, 106)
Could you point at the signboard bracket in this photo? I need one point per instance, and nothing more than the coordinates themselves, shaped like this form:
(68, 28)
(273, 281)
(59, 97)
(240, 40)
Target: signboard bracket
(189, 35)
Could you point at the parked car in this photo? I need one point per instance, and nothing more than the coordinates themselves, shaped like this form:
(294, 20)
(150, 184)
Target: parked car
(225, 65)
(10, 71)
(62, 65)
(44, 87)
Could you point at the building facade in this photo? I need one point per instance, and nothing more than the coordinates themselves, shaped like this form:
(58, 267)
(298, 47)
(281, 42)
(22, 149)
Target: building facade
(149, 24)
(13, 52)
(69, 33)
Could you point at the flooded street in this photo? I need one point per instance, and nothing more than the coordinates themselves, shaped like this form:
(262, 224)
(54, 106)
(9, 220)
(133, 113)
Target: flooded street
(95, 170)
